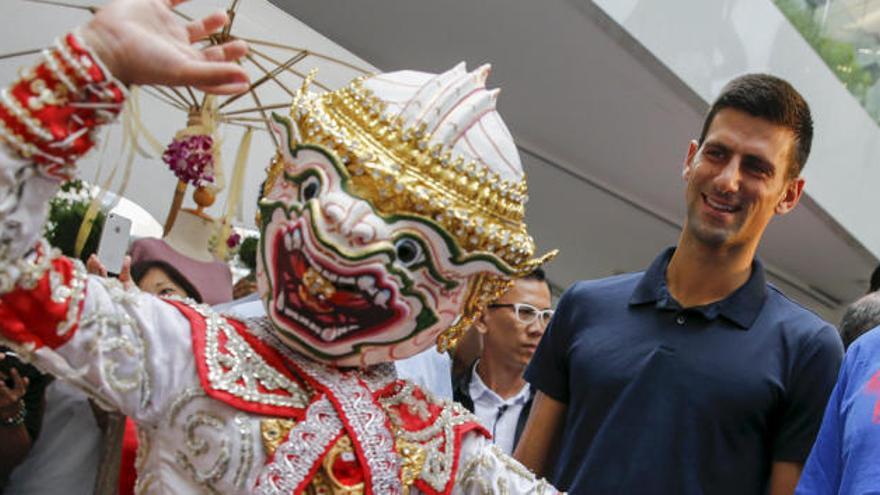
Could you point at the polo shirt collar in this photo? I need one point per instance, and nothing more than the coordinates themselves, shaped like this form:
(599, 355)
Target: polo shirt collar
(741, 307)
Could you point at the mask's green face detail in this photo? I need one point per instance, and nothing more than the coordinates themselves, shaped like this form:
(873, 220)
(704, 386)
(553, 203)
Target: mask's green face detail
(345, 284)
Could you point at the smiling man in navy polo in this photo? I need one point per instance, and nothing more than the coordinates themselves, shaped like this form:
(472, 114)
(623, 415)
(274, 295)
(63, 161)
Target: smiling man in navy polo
(695, 376)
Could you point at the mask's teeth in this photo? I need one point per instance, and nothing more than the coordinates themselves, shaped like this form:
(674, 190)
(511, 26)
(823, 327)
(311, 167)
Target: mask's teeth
(329, 334)
(279, 302)
(288, 241)
(346, 329)
(382, 297)
(297, 239)
(302, 320)
(367, 284)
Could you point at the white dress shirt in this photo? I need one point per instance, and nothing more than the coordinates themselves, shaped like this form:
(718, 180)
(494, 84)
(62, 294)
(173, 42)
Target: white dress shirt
(498, 415)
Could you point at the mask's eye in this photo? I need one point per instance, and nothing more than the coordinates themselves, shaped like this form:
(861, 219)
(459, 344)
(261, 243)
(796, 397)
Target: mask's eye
(309, 188)
(408, 252)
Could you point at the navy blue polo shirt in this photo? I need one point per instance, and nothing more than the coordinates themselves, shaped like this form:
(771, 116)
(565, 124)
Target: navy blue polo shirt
(667, 400)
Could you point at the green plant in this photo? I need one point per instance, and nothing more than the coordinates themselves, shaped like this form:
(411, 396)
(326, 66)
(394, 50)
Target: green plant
(247, 252)
(66, 212)
(840, 56)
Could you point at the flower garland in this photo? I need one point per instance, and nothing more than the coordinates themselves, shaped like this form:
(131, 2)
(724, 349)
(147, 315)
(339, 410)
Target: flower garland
(191, 158)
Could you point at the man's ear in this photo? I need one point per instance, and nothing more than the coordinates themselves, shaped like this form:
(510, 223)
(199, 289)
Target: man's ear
(693, 148)
(480, 325)
(791, 195)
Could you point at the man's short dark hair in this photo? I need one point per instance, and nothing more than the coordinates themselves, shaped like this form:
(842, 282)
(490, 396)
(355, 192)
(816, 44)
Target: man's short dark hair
(773, 99)
(874, 286)
(537, 274)
(860, 316)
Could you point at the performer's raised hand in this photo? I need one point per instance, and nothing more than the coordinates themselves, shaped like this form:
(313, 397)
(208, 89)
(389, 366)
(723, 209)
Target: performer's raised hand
(144, 42)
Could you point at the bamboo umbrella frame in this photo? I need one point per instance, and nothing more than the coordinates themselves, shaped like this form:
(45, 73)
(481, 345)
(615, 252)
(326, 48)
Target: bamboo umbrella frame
(191, 100)
(249, 116)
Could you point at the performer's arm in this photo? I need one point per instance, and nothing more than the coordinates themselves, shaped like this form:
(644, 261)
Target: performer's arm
(102, 337)
(49, 116)
(484, 468)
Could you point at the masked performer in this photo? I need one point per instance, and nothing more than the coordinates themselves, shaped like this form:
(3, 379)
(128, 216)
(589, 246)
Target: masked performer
(391, 216)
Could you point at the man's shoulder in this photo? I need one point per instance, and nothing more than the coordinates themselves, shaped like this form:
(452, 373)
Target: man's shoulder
(793, 313)
(865, 350)
(801, 326)
(611, 287)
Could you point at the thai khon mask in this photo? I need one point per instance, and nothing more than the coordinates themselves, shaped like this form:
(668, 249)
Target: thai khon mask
(391, 216)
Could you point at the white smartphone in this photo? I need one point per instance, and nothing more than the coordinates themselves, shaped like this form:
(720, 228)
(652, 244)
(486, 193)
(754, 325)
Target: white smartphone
(114, 242)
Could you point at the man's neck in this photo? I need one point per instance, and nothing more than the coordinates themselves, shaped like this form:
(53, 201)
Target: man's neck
(504, 380)
(698, 274)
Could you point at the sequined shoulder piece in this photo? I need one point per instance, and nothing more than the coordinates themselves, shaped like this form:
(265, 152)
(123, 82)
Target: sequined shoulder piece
(238, 369)
(428, 435)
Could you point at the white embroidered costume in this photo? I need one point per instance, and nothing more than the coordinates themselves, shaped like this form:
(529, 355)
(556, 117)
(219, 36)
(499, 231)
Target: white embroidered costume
(265, 405)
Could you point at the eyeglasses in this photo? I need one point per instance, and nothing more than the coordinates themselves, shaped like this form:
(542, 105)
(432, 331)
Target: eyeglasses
(526, 313)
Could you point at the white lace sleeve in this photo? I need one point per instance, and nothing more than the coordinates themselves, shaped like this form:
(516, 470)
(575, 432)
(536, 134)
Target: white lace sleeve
(484, 469)
(24, 205)
(49, 119)
(130, 351)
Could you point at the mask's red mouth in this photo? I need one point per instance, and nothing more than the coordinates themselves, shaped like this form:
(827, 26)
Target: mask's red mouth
(325, 302)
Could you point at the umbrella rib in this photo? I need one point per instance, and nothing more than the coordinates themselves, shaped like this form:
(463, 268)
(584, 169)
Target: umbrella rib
(195, 101)
(181, 96)
(21, 53)
(231, 13)
(163, 97)
(90, 8)
(171, 97)
(179, 14)
(265, 117)
(296, 58)
(275, 106)
(242, 119)
(289, 69)
(246, 126)
(280, 85)
(319, 55)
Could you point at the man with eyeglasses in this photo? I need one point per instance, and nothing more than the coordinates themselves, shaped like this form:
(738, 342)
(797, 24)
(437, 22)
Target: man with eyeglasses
(493, 388)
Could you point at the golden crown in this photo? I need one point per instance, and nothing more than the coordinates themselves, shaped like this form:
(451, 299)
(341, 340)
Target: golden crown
(399, 171)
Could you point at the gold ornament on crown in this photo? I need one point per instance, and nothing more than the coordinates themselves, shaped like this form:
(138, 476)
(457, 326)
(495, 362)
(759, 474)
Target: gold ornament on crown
(400, 172)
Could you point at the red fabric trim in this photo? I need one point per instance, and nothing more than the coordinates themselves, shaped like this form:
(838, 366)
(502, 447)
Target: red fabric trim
(413, 422)
(317, 465)
(460, 432)
(30, 316)
(272, 358)
(127, 471)
(59, 118)
(300, 488)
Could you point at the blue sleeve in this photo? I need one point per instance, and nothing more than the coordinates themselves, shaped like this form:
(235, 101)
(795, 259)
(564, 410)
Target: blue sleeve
(548, 369)
(822, 471)
(810, 384)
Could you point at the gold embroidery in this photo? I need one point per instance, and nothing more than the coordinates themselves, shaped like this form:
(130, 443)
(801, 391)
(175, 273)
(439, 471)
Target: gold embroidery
(273, 432)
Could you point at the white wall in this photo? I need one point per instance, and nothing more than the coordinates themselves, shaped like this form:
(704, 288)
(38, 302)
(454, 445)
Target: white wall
(706, 43)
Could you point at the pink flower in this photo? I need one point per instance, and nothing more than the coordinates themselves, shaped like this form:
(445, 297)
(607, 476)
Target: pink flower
(191, 159)
(233, 240)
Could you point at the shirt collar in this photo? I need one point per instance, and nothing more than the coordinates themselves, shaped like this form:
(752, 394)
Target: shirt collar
(478, 389)
(741, 307)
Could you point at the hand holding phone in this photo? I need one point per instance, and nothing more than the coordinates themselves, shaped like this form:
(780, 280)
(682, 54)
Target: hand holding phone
(114, 242)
